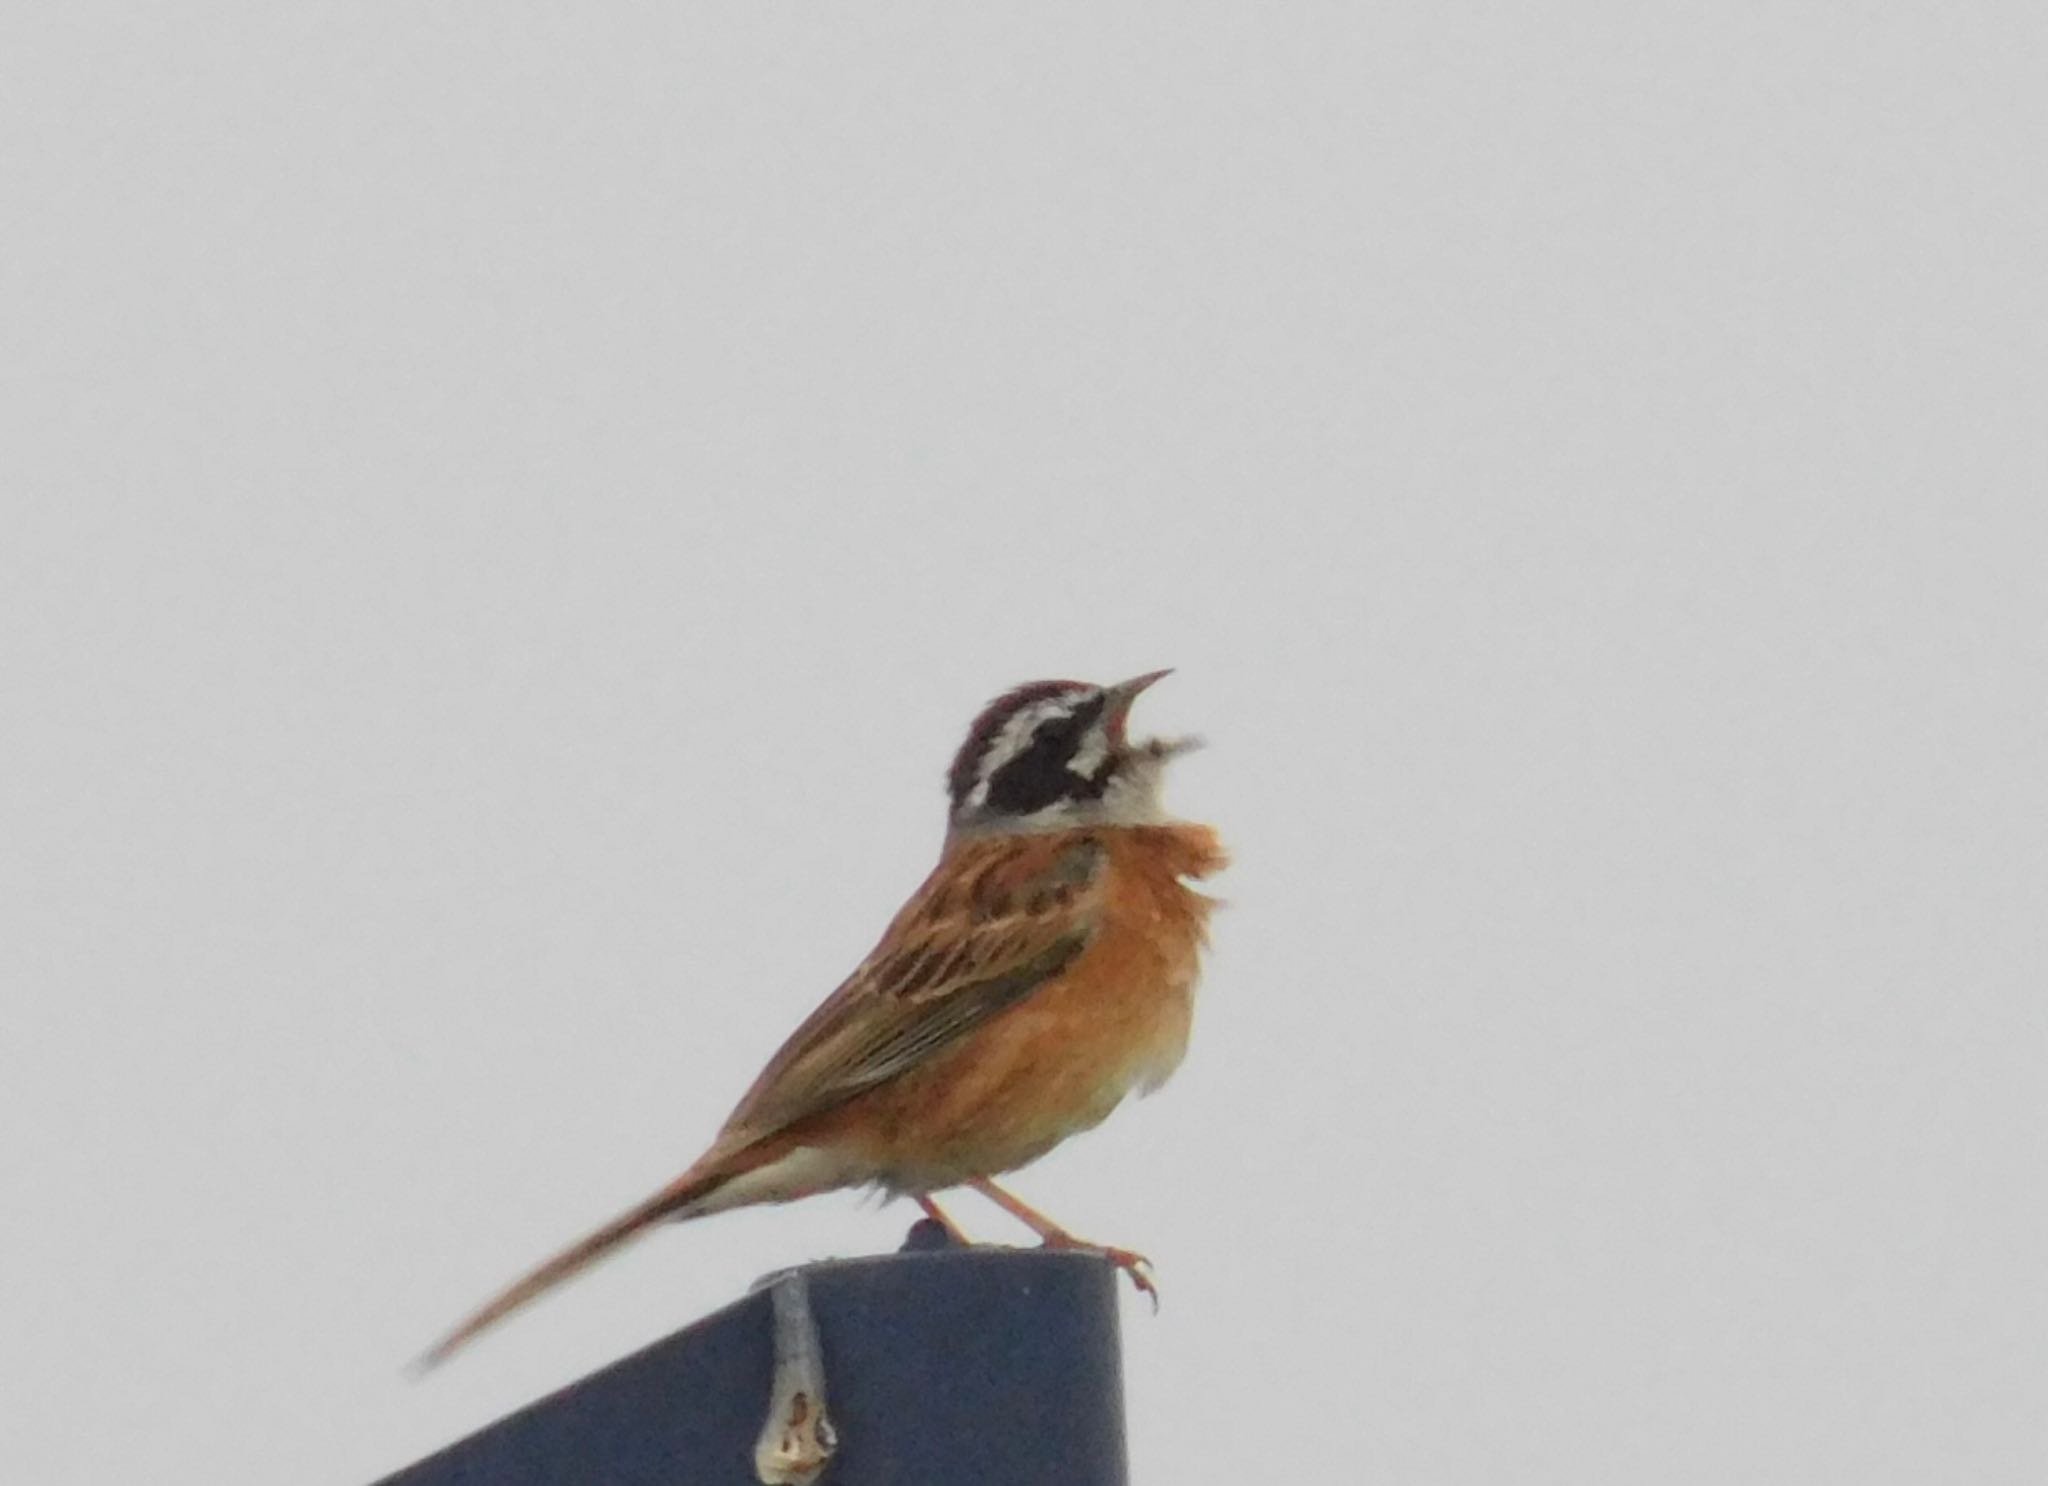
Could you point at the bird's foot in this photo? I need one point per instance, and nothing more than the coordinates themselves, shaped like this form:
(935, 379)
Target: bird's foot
(1130, 1261)
(1136, 1267)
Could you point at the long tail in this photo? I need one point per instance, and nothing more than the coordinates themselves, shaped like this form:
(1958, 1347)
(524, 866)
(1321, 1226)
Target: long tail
(671, 1201)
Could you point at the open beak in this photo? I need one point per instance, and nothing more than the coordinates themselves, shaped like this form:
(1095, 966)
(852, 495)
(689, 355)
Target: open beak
(1124, 693)
(1121, 696)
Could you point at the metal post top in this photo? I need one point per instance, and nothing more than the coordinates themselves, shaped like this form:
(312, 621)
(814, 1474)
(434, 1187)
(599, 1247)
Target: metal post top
(934, 1365)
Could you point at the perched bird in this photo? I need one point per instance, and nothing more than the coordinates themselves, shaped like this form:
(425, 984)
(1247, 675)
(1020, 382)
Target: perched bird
(1044, 971)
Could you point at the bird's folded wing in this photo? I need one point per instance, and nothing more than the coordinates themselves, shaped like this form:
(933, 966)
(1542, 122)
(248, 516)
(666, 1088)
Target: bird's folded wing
(994, 923)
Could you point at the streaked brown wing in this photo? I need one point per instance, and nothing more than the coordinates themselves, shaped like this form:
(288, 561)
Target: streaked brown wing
(994, 922)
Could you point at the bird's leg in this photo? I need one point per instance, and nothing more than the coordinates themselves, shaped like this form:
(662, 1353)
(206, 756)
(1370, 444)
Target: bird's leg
(1134, 1264)
(933, 1211)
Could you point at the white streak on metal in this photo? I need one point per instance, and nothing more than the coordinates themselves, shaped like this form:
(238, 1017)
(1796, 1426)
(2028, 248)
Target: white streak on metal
(797, 1440)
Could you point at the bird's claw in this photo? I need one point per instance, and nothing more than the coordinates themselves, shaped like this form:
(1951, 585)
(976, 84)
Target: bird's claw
(1139, 1270)
(1136, 1267)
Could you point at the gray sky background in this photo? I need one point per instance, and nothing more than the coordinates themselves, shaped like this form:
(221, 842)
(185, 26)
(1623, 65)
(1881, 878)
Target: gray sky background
(509, 507)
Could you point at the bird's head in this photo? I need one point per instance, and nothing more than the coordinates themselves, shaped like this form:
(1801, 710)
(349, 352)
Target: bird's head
(1051, 755)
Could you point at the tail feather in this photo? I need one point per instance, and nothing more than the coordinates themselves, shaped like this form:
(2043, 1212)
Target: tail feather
(671, 1201)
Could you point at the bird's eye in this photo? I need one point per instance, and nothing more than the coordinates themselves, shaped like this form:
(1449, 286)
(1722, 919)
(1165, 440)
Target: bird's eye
(1045, 772)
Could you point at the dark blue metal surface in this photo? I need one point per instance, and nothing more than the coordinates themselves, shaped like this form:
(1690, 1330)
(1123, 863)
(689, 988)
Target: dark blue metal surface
(998, 1367)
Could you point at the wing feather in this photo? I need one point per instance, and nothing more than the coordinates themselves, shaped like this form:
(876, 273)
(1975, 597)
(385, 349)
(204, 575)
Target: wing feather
(995, 922)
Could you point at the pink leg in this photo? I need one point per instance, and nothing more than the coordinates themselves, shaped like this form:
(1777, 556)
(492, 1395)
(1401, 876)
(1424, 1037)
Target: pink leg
(933, 1211)
(1134, 1264)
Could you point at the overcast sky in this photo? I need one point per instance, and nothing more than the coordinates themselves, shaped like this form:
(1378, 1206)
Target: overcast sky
(509, 508)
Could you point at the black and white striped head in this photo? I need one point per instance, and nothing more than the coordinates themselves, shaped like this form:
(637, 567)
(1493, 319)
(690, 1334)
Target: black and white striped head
(1051, 755)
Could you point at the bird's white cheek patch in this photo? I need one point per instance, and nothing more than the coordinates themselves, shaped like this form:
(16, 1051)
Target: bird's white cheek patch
(1090, 755)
